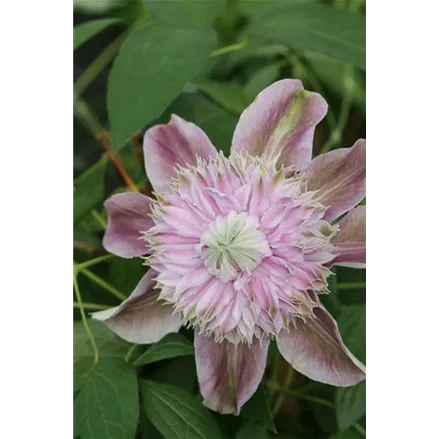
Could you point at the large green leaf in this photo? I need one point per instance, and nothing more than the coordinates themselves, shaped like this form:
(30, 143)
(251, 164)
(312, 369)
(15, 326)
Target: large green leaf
(193, 13)
(230, 96)
(125, 274)
(261, 79)
(350, 405)
(252, 430)
(176, 413)
(85, 31)
(153, 66)
(257, 409)
(348, 434)
(350, 402)
(332, 74)
(107, 405)
(335, 32)
(88, 189)
(170, 346)
(109, 344)
(213, 120)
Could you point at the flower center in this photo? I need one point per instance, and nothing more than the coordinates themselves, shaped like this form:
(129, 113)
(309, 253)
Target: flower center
(233, 244)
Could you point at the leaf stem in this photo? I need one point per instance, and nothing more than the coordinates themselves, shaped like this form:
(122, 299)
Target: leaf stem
(232, 48)
(360, 429)
(351, 285)
(84, 320)
(103, 284)
(130, 352)
(281, 395)
(104, 140)
(94, 306)
(99, 219)
(86, 264)
(97, 65)
(86, 115)
(137, 143)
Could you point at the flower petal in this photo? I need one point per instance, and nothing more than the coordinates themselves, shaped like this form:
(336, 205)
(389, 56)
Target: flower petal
(279, 125)
(316, 350)
(177, 143)
(128, 216)
(141, 318)
(339, 178)
(350, 243)
(229, 373)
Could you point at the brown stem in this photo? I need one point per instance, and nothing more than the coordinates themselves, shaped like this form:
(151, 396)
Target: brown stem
(104, 140)
(137, 142)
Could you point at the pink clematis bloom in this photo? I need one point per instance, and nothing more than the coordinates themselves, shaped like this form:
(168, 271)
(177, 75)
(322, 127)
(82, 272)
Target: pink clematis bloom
(241, 247)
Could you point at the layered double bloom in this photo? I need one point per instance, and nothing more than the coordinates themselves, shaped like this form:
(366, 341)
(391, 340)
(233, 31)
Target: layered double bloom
(240, 248)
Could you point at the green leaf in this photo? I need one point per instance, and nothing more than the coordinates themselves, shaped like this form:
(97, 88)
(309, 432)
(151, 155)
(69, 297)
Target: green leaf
(213, 120)
(170, 346)
(147, 430)
(253, 431)
(350, 405)
(153, 65)
(125, 274)
(335, 32)
(88, 189)
(352, 325)
(109, 344)
(107, 406)
(257, 409)
(194, 13)
(85, 31)
(350, 402)
(230, 96)
(349, 434)
(261, 79)
(176, 413)
(331, 73)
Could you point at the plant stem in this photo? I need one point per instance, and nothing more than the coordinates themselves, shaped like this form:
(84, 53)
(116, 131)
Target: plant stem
(86, 264)
(281, 396)
(99, 219)
(351, 285)
(359, 428)
(130, 352)
(104, 140)
(85, 246)
(136, 139)
(103, 284)
(231, 48)
(94, 306)
(97, 65)
(86, 115)
(84, 320)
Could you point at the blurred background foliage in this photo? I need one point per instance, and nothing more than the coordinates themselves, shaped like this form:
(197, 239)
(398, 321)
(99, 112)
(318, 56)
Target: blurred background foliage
(135, 63)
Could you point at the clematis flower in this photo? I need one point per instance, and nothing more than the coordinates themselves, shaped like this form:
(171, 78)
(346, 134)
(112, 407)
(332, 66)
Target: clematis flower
(240, 248)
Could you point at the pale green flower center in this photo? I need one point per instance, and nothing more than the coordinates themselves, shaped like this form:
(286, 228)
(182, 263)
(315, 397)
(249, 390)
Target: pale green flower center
(233, 244)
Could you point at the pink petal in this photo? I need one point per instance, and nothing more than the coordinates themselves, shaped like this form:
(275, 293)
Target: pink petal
(229, 373)
(350, 243)
(316, 350)
(128, 216)
(279, 125)
(141, 318)
(177, 143)
(339, 177)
